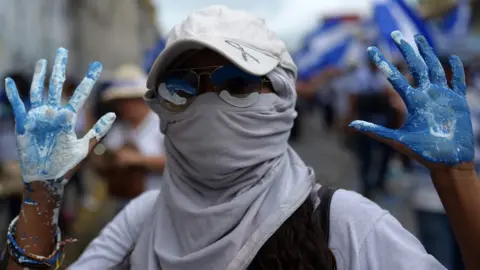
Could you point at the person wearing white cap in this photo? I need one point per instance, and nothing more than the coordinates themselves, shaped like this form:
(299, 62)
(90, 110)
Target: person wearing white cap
(135, 139)
(234, 194)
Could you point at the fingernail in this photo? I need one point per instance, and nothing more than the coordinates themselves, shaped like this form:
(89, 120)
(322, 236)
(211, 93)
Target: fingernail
(94, 70)
(62, 50)
(61, 58)
(420, 38)
(397, 36)
(374, 55)
(9, 83)
(111, 116)
(40, 64)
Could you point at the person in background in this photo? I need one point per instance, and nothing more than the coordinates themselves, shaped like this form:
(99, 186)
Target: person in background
(318, 90)
(133, 157)
(341, 87)
(369, 97)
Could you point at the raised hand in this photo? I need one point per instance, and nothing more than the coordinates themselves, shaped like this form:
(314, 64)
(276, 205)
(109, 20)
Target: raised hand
(438, 129)
(47, 144)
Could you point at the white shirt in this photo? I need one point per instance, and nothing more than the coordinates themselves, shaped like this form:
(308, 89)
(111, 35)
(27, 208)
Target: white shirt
(362, 237)
(147, 137)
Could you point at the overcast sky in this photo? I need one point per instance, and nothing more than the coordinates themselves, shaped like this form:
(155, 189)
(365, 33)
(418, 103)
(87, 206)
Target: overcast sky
(290, 19)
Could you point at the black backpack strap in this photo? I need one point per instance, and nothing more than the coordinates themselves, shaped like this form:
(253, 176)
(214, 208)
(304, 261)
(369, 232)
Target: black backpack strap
(323, 210)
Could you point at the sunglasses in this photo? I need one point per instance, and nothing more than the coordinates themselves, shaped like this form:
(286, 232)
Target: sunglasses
(179, 87)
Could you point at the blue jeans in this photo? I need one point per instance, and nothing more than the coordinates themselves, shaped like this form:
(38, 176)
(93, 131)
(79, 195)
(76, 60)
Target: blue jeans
(437, 237)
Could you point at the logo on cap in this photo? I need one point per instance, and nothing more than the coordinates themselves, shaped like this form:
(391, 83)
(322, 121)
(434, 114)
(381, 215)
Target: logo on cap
(240, 46)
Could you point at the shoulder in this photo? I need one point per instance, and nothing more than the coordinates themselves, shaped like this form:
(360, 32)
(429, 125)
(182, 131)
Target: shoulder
(115, 241)
(363, 236)
(352, 216)
(134, 214)
(141, 207)
(145, 199)
(153, 123)
(346, 206)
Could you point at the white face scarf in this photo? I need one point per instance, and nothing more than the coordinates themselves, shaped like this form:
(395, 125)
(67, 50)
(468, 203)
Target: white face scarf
(231, 180)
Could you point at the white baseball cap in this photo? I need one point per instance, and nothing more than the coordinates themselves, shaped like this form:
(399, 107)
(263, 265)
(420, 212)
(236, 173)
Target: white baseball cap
(127, 82)
(239, 36)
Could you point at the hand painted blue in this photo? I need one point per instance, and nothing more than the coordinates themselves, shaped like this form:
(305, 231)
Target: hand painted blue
(438, 127)
(47, 144)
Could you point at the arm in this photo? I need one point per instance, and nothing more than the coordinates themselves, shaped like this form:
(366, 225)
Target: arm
(112, 247)
(129, 157)
(370, 238)
(437, 133)
(459, 190)
(48, 125)
(35, 231)
(351, 114)
(310, 88)
(154, 163)
(390, 246)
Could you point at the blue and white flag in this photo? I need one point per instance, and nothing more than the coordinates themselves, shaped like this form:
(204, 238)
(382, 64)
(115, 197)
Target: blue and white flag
(457, 21)
(332, 44)
(151, 55)
(391, 15)
(452, 29)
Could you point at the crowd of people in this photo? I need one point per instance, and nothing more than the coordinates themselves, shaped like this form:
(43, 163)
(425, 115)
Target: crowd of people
(234, 194)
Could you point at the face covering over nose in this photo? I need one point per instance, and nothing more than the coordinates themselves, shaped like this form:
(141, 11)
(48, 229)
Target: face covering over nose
(231, 180)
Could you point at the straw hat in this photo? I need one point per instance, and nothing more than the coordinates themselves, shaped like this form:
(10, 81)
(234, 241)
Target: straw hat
(128, 81)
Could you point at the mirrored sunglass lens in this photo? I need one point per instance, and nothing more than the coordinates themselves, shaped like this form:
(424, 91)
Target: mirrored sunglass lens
(239, 87)
(183, 77)
(178, 89)
(236, 81)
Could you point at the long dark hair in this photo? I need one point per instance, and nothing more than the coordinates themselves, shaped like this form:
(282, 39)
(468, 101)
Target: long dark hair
(298, 244)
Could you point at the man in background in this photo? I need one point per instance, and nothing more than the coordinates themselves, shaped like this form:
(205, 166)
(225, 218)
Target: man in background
(132, 154)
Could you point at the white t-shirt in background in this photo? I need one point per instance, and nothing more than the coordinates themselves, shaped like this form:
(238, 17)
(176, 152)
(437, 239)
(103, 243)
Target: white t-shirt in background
(147, 137)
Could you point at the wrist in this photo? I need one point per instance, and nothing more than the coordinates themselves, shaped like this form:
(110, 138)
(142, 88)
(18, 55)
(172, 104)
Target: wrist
(458, 172)
(456, 177)
(51, 190)
(39, 215)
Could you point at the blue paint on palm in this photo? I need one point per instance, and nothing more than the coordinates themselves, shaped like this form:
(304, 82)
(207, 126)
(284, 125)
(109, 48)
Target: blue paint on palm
(48, 124)
(441, 131)
(47, 144)
(438, 127)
